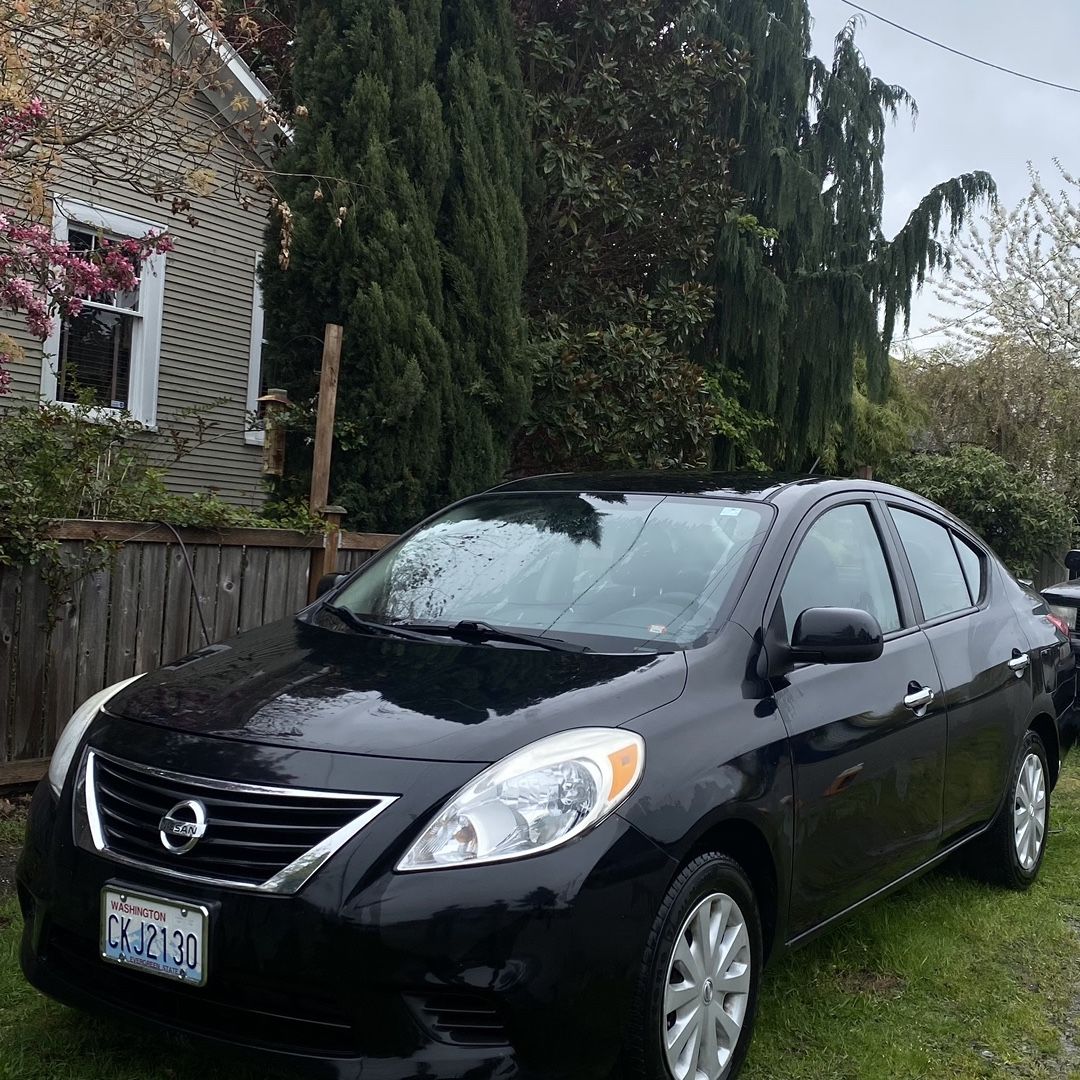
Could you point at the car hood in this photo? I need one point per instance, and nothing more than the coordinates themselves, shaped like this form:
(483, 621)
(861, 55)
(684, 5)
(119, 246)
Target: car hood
(293, 684)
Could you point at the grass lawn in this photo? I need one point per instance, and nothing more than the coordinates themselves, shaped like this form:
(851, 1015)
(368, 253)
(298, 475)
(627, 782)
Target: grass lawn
(948, 980)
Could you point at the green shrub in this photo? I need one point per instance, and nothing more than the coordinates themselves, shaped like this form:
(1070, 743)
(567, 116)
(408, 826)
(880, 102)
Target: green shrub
(68, 461)
(622, 398)
(1019, 515)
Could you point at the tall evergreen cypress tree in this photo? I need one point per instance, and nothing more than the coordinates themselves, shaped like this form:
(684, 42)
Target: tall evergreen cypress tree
(793, 313)
(410, 127)
(483, 234)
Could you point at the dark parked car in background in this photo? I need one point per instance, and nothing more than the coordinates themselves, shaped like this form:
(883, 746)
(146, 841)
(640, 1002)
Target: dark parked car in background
(539, 789)
(1063, 600)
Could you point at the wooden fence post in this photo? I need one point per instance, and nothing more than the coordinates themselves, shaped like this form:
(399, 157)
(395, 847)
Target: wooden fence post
(324, 421)
(324, 559)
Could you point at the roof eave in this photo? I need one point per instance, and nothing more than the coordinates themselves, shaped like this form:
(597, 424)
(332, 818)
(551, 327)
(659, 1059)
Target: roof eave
(245, 83)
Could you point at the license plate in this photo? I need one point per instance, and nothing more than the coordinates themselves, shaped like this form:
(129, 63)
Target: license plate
(154, 935)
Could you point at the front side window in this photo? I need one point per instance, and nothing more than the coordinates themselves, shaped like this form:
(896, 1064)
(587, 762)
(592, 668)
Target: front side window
(840, 564)
(107, 356)
(934, 563)
(644, 569)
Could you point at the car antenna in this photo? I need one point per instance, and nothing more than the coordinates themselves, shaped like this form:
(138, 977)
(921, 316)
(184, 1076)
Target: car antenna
(813, 468)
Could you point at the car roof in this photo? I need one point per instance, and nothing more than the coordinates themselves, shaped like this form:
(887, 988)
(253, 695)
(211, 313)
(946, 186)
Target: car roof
(757, 486)
(781, 488)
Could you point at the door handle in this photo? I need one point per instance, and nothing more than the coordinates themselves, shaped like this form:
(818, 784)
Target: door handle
(1019, 662)
(918, 699)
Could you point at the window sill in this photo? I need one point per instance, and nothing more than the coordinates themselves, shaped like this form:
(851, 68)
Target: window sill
(101, 415)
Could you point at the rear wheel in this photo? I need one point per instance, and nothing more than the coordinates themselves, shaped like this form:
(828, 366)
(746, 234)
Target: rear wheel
(1011, 852)
(698, 994)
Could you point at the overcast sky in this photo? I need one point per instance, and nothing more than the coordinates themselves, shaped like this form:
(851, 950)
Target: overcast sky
(970, 117)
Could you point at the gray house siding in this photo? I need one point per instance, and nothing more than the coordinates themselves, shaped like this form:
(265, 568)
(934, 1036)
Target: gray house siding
(206, 333)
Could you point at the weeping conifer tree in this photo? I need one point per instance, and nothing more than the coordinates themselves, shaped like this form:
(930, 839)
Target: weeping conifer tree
(414, 142)
(794, 312)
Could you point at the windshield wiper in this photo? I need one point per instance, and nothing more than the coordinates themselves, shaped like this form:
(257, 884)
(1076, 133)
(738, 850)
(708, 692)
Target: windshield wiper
(471, 630)
(370, 626)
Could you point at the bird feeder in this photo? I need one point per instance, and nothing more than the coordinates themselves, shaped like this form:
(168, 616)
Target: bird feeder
(273, 405)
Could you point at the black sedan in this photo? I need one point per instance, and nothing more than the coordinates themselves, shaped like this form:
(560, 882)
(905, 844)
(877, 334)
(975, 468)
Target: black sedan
(539, 789)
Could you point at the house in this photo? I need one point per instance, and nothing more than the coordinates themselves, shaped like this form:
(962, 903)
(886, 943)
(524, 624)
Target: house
(183, 352)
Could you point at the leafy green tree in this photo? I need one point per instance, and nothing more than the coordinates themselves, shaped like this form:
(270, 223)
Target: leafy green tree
(630, 178)
(1011, 397)
(413, 102)
(703, 176)
(873, 433)
(1019, 515)
(794, 310)
(620, 398)
(630, 188)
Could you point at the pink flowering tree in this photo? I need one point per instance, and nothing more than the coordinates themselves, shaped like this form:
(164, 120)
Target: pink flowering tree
(41, 278)
(118, 89)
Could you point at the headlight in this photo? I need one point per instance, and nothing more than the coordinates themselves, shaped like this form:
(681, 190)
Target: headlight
(533, 800)
(75, 729)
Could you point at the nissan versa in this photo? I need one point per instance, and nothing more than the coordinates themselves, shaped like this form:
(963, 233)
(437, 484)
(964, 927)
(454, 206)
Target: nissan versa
(538, 790)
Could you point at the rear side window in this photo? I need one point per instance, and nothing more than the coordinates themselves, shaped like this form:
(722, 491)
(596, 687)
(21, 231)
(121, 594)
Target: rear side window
(972, 563)
(840, 564)
(935, 565)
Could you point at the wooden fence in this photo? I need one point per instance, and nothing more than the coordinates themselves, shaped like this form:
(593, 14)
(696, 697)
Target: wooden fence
(1050, 570)
(64, 637)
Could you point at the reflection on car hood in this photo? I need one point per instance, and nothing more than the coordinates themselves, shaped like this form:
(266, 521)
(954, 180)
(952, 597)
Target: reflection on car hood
(293, 684)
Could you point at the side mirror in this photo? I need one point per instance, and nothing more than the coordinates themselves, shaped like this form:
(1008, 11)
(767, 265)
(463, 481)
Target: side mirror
(328, 582)
(826, 635)
(1072, 564)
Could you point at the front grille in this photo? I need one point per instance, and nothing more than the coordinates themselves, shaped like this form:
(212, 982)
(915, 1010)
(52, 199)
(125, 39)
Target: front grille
(256, 837)
(462, 1019)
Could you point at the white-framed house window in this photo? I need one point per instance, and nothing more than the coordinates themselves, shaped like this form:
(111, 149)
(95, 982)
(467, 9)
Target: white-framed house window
(255, 388)
(111, 351)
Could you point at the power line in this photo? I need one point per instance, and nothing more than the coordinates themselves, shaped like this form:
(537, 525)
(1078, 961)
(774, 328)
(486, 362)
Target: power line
(958, 52)
(941, 328)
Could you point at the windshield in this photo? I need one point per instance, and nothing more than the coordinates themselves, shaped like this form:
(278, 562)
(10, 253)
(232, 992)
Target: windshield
(643, 568)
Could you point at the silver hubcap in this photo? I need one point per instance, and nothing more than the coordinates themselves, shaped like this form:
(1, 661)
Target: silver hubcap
(1029, 811)
(707, 990)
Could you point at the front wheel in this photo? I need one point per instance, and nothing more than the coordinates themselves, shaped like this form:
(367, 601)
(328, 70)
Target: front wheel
(1011, 852)
(699, 984)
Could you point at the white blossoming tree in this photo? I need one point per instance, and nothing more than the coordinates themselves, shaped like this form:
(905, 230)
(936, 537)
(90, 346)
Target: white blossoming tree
(1016, 275)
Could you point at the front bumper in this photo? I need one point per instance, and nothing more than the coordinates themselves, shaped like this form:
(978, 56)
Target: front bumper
(525, 968)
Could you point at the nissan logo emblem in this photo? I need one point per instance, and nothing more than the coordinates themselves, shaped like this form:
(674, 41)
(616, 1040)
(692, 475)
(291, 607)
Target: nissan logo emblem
(183, 826)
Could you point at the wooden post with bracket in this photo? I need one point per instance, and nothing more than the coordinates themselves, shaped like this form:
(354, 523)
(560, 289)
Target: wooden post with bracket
(324, 559)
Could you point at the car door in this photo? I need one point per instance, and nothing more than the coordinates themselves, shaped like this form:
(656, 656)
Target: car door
(867, 740)
(982, 660)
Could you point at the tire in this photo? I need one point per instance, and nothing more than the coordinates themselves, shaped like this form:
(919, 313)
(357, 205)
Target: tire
(1010, 852)
(711, 899)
